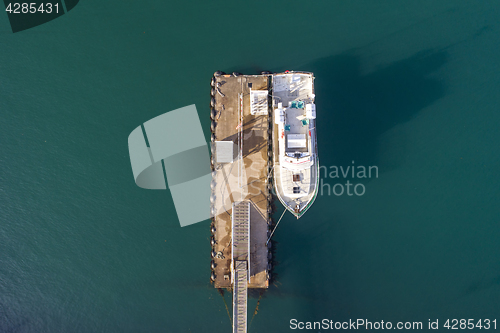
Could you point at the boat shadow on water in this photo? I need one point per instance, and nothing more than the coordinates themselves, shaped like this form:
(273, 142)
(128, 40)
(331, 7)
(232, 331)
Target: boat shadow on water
(355, 109)
(354, 112)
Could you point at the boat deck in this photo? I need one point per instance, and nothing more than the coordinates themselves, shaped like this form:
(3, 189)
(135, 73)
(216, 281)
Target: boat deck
(292, 87)
(303, 183)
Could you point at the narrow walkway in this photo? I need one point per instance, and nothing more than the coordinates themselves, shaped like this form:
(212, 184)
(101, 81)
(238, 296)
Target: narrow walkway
(240, 297)
(241, 264)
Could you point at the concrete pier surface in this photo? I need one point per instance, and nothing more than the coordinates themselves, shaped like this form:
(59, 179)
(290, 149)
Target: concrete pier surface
(243, 179)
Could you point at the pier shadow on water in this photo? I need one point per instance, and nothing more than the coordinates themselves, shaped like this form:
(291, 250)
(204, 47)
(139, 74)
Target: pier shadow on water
(355, 109)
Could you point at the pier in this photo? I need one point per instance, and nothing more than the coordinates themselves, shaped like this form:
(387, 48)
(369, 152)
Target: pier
(241, 189)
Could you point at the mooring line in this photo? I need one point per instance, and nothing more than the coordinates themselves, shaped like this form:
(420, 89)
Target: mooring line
(256, 308)
(221, 292)
(276, 226)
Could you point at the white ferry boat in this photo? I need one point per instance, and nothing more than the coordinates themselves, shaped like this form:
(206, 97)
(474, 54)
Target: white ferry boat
(295, 152)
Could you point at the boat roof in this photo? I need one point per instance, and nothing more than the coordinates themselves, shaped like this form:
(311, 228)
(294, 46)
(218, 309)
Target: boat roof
(295, 130)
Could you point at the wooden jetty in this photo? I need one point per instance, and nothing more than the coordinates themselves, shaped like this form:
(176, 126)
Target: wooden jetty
(241, 197)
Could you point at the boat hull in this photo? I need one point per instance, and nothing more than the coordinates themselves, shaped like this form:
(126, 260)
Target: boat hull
(295, 154)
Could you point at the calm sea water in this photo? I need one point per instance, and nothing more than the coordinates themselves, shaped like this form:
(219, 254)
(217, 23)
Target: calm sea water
(410, 88)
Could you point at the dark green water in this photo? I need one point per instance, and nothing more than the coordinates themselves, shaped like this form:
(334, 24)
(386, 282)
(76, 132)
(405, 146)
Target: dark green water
(411, 88)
